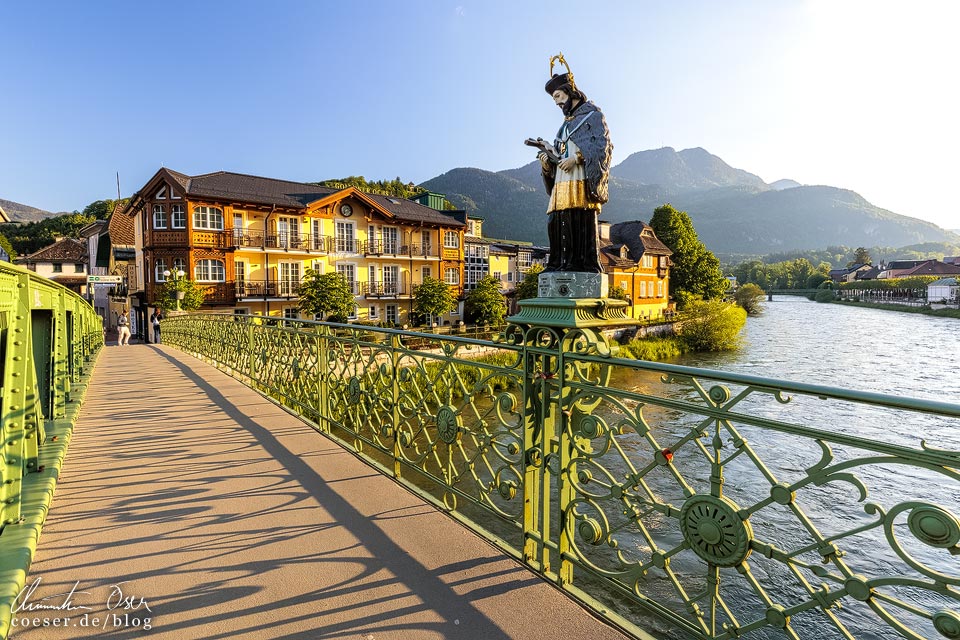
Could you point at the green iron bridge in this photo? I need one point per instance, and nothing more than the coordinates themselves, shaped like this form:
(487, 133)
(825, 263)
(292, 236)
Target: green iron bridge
(668, 501)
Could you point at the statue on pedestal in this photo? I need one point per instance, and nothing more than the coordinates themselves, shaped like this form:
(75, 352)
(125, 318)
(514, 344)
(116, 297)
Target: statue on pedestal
(575, 169)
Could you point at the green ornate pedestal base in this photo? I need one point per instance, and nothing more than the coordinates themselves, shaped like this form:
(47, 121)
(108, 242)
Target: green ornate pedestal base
(572, 312)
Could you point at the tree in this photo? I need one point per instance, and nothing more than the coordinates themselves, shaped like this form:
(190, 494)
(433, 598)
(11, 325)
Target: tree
(750, 297)
(326, 295)
(695, 269)
(100, 209)
(860, 256)
(529, 287)
(712, 325)
(485, 304)
(32, 236)
(7, 246)
(433, 298)
(193, 295)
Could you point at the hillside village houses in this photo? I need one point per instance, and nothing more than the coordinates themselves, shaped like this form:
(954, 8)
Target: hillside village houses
(249, 240)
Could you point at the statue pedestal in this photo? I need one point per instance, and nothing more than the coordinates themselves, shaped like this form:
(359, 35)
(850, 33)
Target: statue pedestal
(571, 284)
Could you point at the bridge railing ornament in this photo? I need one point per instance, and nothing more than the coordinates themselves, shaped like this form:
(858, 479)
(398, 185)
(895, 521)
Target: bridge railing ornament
(672, 499)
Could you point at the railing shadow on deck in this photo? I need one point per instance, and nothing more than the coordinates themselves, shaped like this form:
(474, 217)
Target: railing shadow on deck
(253, 530)
(683, 500)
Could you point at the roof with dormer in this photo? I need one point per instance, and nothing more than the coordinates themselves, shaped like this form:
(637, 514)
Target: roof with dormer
(640, 239)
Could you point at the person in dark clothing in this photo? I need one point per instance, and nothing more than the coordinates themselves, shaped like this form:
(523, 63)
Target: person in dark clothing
(155, 319)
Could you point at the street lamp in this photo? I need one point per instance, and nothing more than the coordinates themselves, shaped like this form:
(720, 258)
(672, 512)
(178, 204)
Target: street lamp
(175, 277)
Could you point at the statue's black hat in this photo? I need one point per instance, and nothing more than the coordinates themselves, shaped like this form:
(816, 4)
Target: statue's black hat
(559, 81)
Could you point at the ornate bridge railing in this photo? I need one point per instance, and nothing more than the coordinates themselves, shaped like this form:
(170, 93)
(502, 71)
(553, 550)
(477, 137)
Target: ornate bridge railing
(681, 501)
(48, 338)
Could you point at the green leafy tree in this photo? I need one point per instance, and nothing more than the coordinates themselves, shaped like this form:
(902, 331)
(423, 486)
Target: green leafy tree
(712, 325)
(7, 246)
(860, 256)
(99, 209)
(750, 297)
(433, 298)
(618, 293)
(695, 269)
(485, 304)
(327, 295)
(529, 287)
(816, 280)
(193, 295)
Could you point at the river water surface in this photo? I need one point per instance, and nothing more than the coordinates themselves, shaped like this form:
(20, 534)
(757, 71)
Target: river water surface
(886, 352)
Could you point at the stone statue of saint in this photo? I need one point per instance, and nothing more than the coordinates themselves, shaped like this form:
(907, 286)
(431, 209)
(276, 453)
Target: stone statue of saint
(575, 169)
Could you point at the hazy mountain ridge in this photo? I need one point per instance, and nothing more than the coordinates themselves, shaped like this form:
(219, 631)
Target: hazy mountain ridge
(734, 211)
(24, 213)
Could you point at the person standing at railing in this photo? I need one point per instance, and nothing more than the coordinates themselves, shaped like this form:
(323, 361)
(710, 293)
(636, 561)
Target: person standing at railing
(123, 329)
(155, 322)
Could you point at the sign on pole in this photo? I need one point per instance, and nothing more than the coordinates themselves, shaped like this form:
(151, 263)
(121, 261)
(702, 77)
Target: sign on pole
(104, 279)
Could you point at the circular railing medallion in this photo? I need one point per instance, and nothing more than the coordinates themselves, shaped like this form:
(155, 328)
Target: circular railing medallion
(715, 531)
(448, 425)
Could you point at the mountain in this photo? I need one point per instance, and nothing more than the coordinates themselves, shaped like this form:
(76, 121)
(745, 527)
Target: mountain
(687, 170)
(780, 185)
(734, 211)
(22, 213)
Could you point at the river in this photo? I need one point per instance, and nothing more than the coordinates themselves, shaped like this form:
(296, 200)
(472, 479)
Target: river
(887, 352)
(906, 354)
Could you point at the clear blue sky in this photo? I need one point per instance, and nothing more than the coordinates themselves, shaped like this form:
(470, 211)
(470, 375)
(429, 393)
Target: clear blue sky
(860, 94)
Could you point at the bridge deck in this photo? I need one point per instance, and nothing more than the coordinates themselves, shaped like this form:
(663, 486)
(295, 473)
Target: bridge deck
(230, 518)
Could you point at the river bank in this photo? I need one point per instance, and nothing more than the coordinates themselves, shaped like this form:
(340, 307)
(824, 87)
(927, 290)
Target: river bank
(941, 312)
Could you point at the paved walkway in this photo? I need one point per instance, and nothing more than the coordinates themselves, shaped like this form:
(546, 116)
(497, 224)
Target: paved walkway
(188, 500)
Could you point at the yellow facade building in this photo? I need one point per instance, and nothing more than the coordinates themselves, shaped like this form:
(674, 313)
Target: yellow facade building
(249, 241)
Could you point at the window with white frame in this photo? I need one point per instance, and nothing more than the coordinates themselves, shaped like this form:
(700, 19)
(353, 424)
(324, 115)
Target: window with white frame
(659, 288)
(391, 239)
(373, 312)
(208, 218)
(159, 217)
(349, 272)
(510, 276)
(179, 264)
(160, 265)
(643, 289)
(289, 278)
(291, 313)
(210, 271)
(451, 276)
(345, 234)
(451, 239)
(391, 313)
(178, 219)
(353, 313)
(496, 274)
(391, 280)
